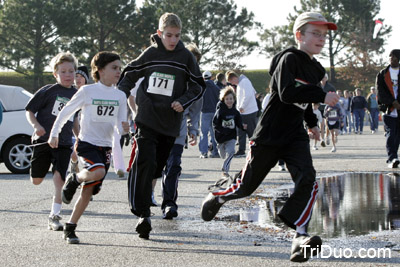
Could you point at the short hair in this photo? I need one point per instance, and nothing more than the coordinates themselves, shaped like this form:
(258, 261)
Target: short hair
(227, 91)
(169, 20)
(231, 74)
(100, 60)
(192, 47)
(61, 58)
(220, 77)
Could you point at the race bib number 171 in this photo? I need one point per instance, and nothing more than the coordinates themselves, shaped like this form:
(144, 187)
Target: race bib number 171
(161, 84)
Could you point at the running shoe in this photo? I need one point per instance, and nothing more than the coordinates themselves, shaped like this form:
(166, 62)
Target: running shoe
(69, 233)
(54, 223)
(69, 188)
(315, 148)
(120, 173)
(143, 227)
(282, 168)
(394, 164)
(323, 143)
(170, 212)
(210, 207)
(204, 156)
(304, 246)
(333, 149)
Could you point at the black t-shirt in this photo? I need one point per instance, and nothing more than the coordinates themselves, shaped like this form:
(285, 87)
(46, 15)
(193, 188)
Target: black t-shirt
(47, 102)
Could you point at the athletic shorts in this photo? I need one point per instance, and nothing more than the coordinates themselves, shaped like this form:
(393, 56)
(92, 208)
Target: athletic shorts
(94, 157)
(334, 126)
(43, 156)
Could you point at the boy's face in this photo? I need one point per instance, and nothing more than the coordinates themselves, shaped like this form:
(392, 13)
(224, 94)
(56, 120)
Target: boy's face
(312, 40)
(79, 80)
(110, 74)
(234, 80)
(65, 74)
(394, 61)
(229, 100)
(170, 37)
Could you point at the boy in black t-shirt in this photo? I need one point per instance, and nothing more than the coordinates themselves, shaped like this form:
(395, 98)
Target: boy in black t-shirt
(41, 112)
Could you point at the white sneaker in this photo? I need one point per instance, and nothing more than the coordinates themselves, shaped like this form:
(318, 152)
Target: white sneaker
(394, 163)
(315, 148)
(282, 168)
(333, 149)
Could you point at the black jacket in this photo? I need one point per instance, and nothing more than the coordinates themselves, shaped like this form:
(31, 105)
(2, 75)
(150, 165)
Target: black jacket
(168, 76)
(225, 122)
(294, 80)
(385, 90)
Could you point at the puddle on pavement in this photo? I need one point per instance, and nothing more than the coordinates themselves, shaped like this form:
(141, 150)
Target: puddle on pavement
(348, 205)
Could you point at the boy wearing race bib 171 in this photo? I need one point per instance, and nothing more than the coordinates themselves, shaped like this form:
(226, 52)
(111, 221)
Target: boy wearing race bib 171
(41, 112)
(172, 82)
(103, 108)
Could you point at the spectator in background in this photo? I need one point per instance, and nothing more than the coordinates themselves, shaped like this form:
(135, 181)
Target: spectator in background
(210, 100)
(346, 103)
(220, 80)
(358, 108)
(247, 106)
(372, 100)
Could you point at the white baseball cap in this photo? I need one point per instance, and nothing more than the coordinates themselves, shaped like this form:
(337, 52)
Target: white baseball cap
(207, 74)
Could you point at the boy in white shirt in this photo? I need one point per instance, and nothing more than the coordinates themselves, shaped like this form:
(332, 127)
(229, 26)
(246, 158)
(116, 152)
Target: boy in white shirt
(103, 108)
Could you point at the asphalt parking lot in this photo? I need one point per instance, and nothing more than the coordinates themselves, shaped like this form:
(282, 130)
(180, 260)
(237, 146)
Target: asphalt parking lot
(107, 233)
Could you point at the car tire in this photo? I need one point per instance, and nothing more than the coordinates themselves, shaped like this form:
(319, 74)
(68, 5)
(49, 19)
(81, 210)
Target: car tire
(17, 155)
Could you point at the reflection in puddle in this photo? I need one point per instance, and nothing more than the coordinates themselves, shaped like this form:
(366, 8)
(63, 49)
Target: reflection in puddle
(349, 204)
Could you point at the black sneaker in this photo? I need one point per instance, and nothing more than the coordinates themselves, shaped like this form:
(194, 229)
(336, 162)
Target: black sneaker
(170, 212)
(69, 233)
(54, 223)
(143, 227)
(210, 207)
(304, 246)
(69, 188)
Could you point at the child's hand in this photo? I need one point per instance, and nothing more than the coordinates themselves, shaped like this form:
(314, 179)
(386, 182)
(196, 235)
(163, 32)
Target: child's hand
(53, 142)
(331, 98)
(125, 126)
(244, 126)
(193, 140)
(177, 106)
(39, 130)
(314, 133)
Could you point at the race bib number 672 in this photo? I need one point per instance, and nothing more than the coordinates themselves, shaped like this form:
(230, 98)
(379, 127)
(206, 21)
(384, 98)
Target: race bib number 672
(104, 110)
(161, 84)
